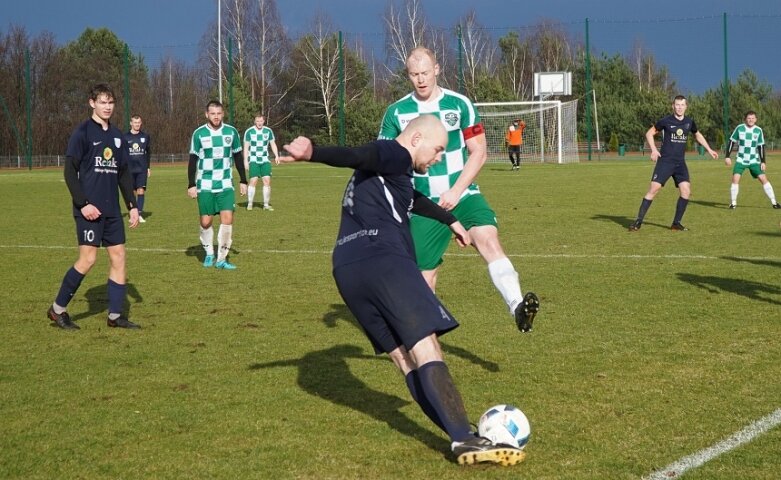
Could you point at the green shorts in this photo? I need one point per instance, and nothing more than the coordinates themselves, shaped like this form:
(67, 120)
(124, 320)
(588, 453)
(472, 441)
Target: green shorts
(432, 238)
(260, 169)
(210, 203)
(755, 169)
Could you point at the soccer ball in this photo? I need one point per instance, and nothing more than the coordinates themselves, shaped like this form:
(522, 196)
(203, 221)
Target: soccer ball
(505, 424)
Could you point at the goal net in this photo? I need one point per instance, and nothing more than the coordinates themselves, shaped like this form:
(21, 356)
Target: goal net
(550, 134)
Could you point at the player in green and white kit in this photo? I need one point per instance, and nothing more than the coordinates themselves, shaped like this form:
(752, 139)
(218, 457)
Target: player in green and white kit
(450, 183)
(257, 139)
(210, 178)
(750, 141)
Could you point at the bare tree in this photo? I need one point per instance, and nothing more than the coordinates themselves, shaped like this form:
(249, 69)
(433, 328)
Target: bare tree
(319, 55)
(175, 106)
(517, 64)
(271, 59)
(405, 29)
(479, 49)
(236, 27)
(552, 48)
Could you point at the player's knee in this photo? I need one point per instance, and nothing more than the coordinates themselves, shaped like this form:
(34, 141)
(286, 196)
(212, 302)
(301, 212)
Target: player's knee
(426, 350)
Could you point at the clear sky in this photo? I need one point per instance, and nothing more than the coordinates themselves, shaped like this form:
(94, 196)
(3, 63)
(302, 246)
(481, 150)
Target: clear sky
(685, 36)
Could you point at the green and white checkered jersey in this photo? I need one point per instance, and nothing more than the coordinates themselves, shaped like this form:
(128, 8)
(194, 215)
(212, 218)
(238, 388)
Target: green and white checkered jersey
(215, 149)
(456, 113)
(748, 139)
(259, 139)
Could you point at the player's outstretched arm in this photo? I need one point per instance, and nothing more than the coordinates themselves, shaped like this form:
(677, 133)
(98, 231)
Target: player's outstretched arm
(299, 150)
(422, 205)
(461, 234)
(701, 139)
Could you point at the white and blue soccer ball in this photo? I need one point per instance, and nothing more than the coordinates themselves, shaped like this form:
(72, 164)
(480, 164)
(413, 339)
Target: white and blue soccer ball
(505, 424)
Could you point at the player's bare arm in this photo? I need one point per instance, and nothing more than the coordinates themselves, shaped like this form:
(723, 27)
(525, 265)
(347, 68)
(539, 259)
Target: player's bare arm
(649, 136)
(478, 153)
(461, 234)
(701, 140)
(275, 150)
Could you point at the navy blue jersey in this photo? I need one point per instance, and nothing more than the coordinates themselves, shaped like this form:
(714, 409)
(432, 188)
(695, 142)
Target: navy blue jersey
(375, 208)
(99, 155)
(138, 151)
(675, 133)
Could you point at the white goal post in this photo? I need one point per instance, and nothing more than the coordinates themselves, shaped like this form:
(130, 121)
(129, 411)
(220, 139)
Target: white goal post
(550, 134)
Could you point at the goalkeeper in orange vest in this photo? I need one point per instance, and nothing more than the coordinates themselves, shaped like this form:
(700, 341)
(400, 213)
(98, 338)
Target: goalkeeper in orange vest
(514, 140)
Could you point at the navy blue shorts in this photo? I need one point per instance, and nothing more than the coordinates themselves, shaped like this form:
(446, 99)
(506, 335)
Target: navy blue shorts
(105, 231)
(666, 169)
(139, 180)
(392, 302)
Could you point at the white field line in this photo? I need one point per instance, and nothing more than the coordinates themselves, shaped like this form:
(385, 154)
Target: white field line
(749, 433)
(474, 254)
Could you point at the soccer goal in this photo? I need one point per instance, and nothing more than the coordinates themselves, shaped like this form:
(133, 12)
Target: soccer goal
(550, 134)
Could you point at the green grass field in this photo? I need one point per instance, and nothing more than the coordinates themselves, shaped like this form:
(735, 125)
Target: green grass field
(649, 347)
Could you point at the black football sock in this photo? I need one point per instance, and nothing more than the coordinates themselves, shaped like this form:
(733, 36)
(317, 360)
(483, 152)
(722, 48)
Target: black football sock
(680, 209)
(644, 206)
(70, 283)
(116, 296)
(440, 391)
(140, 203)
(415, 389)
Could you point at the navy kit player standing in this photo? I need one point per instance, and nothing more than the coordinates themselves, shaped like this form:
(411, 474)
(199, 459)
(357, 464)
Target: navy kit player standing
(96, 165)
(675, 129)
(376, 274)
(139, 152)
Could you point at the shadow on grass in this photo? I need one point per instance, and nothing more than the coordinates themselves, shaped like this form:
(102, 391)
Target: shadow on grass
(774, 234)
(341, 312)
(755, 261)
(624, 222)
(744, 288)
(617, 219)
(197, 252)
(706, 203)
(325, 374)
(97, 300)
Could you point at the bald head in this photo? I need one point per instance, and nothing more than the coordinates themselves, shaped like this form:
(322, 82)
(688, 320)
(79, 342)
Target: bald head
(422, 71)
(425, 138)
(420, 53)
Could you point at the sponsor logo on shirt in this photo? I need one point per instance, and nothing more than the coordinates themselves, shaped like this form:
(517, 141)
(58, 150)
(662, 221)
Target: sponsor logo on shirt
(678, 136)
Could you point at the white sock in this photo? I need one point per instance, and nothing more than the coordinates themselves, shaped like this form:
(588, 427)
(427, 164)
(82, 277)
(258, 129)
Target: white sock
(733, 192)
(207, 239)
(266, 194)
(250, 194)
(58, 309)
(506, 280)
(224, 239)
(769, 192)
